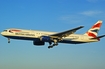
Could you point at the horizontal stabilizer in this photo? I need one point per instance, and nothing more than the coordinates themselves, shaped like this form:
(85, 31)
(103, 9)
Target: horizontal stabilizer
(98, 37)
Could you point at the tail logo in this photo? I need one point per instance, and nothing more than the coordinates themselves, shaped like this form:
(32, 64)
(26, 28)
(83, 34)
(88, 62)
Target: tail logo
(93, 31)
(96, 30)
(98, 25)
(91, 34)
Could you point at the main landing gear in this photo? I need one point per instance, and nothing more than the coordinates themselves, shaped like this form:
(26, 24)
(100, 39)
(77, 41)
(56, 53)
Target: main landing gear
(55, 44)
(52, 46)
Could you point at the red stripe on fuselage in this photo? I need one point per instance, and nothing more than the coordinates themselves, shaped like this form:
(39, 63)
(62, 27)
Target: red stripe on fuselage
(97, 25)
(15, 30)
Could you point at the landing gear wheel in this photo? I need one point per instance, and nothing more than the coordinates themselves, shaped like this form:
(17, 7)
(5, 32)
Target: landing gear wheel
(8, 41)
(50, 47)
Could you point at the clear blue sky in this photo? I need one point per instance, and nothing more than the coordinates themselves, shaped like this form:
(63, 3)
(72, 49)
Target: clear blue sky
(51, 15)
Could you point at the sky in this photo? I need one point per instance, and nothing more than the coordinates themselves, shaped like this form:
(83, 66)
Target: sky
(57, 16)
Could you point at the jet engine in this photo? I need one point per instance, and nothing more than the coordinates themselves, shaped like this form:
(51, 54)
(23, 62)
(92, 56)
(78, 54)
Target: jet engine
(38, 43)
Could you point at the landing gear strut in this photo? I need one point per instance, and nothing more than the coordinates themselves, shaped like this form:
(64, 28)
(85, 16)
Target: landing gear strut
(8, 40)
(55, 44)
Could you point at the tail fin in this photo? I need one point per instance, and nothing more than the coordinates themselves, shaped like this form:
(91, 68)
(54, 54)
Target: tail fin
(93, 31)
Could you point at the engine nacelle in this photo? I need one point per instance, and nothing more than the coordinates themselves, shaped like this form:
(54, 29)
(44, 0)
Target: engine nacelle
(39, 43)
(45, 38)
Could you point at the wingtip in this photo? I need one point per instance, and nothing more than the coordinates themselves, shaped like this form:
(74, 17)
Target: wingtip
(81, 26)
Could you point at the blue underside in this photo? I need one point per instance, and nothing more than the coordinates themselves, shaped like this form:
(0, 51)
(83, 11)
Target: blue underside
(37, 39)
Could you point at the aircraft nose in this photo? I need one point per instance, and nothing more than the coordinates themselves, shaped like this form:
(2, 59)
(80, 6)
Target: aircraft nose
(1, 33)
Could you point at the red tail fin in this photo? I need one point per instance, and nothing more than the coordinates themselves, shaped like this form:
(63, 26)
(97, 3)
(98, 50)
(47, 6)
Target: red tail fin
(93, 31)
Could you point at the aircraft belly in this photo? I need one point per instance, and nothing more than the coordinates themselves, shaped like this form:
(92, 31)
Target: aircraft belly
(69, 41)
(22, 38)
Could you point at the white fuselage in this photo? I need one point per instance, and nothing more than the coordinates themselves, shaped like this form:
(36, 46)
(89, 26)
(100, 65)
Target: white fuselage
(34, 35)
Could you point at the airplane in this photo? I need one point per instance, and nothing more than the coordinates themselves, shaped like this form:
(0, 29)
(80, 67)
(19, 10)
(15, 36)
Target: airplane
(39, 38)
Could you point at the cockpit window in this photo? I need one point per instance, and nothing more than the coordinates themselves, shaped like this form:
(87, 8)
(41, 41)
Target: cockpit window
(5, 30)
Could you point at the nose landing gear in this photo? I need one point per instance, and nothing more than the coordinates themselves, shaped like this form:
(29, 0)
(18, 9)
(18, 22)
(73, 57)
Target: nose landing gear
(8, 40)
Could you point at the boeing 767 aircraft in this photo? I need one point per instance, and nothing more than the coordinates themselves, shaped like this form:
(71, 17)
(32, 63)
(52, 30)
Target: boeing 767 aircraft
(53, 38)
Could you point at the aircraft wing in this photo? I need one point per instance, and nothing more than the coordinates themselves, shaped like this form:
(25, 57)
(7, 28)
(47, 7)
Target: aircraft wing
(65, 33)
